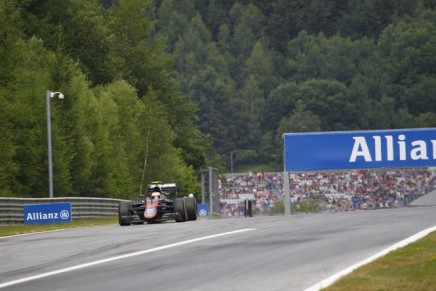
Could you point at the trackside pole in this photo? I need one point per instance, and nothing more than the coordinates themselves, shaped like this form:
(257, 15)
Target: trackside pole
(287, 200)
(210, 193)
(202, 188)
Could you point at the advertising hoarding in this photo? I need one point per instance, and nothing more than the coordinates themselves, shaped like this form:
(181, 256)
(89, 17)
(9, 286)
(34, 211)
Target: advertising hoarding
(47, 213)
(360, 149)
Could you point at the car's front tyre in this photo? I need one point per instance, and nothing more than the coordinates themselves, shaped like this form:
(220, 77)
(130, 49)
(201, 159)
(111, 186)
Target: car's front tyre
(124, 213)
(191, 208)
(180, 209)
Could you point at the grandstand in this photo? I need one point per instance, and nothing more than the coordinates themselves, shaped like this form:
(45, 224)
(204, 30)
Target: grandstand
(329, 190)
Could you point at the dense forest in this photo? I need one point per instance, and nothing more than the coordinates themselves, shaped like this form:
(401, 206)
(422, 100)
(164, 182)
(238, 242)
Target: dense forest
(160, 90)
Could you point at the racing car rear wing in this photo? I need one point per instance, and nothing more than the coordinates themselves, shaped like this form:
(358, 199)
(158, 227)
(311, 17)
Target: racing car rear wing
(166, 188)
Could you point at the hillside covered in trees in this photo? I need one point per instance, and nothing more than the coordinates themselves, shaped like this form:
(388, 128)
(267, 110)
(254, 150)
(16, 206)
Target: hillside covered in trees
(258, 69)
(158, 90)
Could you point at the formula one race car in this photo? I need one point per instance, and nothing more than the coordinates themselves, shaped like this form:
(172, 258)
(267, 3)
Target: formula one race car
(161, 204)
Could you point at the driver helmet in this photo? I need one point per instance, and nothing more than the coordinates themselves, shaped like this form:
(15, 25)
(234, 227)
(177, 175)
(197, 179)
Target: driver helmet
(156, 192)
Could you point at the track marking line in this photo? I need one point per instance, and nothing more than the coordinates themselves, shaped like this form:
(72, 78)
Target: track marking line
(82, 266)
(327, 282)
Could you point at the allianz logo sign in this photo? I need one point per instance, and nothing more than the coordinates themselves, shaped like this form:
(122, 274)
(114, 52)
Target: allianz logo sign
(47, 213)
(64, 214)
(360, 149)
(388, 148)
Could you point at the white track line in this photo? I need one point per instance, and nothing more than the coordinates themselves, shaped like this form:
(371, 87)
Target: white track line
(327, 282)
(44, 275)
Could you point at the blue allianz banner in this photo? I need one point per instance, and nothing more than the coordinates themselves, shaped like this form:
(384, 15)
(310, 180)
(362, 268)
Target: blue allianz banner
(47, 213)
(202, 209)
(360, 149)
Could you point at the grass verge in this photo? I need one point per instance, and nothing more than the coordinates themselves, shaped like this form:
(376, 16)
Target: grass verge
(412, 267)
(7, 230)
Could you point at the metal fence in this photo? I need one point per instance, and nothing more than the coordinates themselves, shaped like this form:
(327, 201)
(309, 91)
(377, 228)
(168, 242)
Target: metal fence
(210, 190)
(12, 209)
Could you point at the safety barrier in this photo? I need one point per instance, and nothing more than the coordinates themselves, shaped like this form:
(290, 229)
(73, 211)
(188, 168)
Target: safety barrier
(12, 209)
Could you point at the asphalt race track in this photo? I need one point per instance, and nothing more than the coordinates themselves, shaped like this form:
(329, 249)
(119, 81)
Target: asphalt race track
(258, 253)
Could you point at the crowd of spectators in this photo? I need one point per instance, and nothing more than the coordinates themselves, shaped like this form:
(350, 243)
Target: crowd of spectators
(330, 190)
(263, 189)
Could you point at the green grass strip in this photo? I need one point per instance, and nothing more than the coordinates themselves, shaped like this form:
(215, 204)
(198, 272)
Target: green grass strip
(14, 229)
(412, 267)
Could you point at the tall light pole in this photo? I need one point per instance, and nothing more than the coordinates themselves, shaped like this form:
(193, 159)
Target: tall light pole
(48, 95)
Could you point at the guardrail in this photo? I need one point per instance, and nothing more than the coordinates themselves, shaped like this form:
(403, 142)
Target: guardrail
(12, 209)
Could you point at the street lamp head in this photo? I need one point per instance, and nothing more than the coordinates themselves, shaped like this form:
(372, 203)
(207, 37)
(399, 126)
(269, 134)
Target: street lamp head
(60, 95)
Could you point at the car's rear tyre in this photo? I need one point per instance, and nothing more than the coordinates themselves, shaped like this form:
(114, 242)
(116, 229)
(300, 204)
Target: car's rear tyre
(180, 209)
(191, 208)
(123, 212)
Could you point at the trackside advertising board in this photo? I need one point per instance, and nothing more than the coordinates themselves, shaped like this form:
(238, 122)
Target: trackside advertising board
(202, 209)
(360, 149)
(47, 213)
